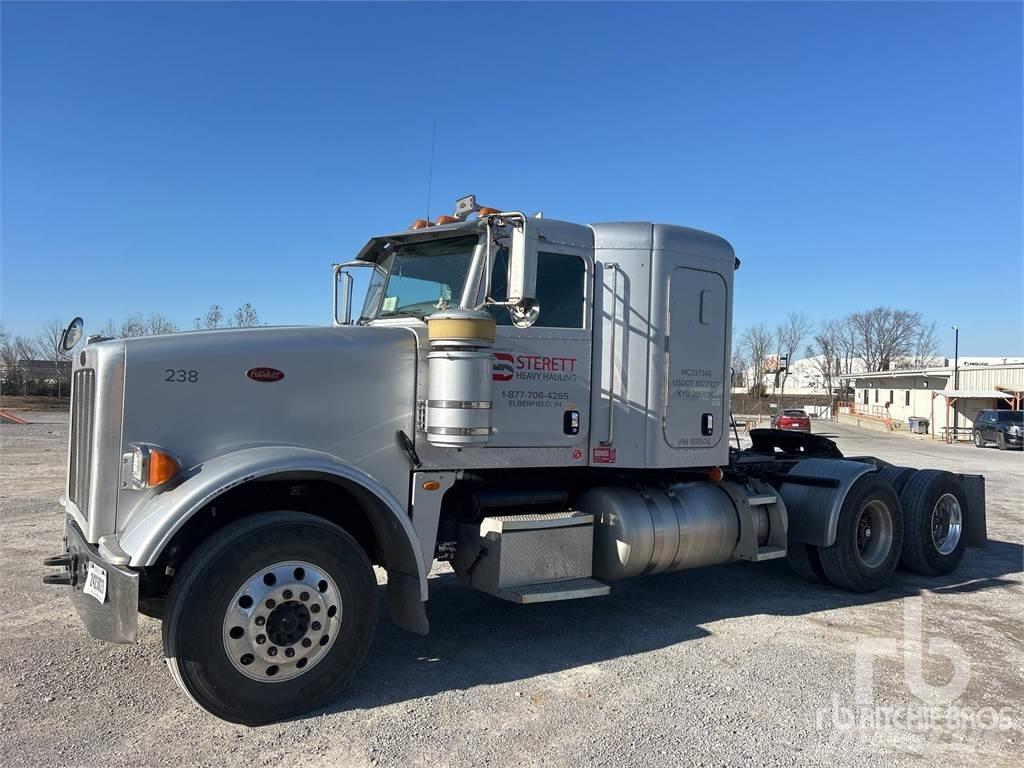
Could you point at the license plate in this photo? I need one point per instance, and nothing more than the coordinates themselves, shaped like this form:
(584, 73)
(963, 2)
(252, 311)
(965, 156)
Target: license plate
(96, 582)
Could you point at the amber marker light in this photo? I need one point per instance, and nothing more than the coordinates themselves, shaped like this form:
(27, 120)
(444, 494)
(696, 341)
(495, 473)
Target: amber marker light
(431, 485)
(152, 466)
(715, 474)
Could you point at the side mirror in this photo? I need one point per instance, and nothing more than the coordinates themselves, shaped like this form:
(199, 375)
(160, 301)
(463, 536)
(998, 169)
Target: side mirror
(522, 266)
(72, 335)
(344, 283)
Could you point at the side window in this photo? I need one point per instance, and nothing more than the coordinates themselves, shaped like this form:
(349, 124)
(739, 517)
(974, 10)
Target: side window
(876, 395)
(907, 398)
(560, 290)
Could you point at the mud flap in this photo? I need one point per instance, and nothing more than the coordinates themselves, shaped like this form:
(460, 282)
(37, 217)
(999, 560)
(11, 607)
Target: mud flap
(977, 525)
(405, 608)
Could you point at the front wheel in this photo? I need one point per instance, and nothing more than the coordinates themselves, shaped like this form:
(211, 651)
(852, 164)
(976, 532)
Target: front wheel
(869, 536)
(1001, 441)
(270, 617)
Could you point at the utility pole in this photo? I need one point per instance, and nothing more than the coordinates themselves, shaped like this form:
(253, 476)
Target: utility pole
(956, 357)
(956, 372)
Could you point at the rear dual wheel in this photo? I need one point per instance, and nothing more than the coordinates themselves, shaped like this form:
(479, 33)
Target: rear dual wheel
(869, 534)
(934, 507)
(270, 617)
(869, 537)
(924, 529)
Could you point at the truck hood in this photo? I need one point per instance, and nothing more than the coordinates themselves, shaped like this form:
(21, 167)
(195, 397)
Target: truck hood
(344, 391)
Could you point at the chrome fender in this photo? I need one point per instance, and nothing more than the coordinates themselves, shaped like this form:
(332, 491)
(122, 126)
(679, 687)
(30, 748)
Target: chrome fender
(153, 526)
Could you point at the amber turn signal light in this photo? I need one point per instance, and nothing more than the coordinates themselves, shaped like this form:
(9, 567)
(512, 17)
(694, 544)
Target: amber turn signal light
(152, 466)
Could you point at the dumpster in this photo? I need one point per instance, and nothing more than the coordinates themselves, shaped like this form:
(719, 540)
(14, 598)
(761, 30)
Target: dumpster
(918, 425)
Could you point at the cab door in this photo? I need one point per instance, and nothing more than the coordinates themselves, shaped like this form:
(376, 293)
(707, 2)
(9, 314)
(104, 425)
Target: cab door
(541, 376)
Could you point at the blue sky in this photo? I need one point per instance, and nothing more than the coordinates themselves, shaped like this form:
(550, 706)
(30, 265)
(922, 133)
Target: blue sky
(161, 158)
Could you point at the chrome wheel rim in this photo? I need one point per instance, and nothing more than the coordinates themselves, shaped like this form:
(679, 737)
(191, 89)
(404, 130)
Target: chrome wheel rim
(282, 621)
(947, 523)
(874, 533)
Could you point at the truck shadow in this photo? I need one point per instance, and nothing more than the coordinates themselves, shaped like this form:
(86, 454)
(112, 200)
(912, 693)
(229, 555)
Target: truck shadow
(476, 639)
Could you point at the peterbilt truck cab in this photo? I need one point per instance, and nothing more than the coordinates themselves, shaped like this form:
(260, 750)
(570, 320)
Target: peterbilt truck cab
(542, 405)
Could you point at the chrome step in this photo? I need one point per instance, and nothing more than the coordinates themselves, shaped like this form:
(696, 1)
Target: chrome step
(769, 553)
(550, 591)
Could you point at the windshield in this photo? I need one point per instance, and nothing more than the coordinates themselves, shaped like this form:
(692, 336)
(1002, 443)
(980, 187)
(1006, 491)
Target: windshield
(417, 279)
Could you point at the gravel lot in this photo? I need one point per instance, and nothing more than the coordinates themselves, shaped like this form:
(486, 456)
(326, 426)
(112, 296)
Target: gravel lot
(737, 664)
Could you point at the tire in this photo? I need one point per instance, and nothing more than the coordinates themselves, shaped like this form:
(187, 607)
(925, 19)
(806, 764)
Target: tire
(869, 537)
(1001, 441)
(326, 594)
(928, 550)
(897, 477)
(154, 607)
(805, 561)
(978, 442)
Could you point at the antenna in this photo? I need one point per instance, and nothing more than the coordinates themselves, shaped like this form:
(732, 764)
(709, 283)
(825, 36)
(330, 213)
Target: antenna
(430, 173)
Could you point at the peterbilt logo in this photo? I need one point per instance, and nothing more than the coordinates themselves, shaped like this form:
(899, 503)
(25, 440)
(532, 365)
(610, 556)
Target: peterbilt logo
(264, 374)
(504, 366)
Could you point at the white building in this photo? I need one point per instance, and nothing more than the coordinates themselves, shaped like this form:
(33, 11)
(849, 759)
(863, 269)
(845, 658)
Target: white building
(933, 394)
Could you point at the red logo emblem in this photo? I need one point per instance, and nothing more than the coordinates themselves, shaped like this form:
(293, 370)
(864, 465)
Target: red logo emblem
(264, 374)
(504, 366)
(604, 455)
(577, 454)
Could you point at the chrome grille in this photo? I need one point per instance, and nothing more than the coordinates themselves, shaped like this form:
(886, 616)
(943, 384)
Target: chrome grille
(83, 417)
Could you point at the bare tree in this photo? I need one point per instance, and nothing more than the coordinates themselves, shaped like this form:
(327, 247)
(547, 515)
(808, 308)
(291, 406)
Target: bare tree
(756, 345)
(826, 353)
(245, 316)
(13, 351)
(132, 326)
(158, 324)
(48, 344)
(883, 336)
(926, 345)
(214, 319)
(791, 335)
(739, 368)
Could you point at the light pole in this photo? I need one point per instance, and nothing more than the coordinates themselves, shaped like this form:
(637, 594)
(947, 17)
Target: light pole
(956, 357)
(956, 372)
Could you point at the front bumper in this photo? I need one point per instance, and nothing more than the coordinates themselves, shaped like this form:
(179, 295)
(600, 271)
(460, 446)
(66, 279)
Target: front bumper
(1014, 440)
(116, 619)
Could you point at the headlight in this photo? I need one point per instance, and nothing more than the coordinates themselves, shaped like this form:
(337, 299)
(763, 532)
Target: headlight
(1015, 430)
(152, 465)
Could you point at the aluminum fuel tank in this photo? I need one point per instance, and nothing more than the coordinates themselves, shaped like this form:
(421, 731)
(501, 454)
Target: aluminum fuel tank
(652, 530)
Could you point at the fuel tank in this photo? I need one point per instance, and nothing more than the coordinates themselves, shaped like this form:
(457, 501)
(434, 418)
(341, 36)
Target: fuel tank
(645, 530)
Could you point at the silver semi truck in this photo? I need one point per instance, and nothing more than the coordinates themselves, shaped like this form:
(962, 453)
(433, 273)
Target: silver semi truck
(544, 405)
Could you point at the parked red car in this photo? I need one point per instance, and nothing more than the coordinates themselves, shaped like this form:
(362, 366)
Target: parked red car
(794, 419)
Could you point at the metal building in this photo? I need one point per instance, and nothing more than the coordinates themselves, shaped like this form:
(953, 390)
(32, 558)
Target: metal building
(934, 394)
